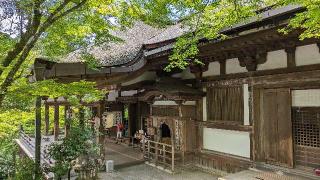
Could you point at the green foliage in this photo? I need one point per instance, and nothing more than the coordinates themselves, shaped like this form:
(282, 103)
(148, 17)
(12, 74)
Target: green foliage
(7, 151)
(6, 44)
(25, 169)
(85, 90)
(10, 121)
(69, 149)
(207, 19)
(307, 21)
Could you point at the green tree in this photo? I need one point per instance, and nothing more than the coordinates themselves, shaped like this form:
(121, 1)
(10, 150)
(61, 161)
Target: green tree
(69, 149)
(207, 19)
(54, 28)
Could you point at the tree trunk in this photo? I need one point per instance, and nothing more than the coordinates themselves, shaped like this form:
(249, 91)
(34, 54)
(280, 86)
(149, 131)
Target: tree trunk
(35, 30)
(38, 139)
(10, 76)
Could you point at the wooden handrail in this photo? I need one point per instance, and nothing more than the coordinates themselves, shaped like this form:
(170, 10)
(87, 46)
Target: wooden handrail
(160, 153)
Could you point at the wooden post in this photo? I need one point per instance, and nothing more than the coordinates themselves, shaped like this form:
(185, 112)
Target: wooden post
(37, 138)
(222, 67)
(56, 119)
(46, 118)
(291, 56)
(67, 120)
(143, 148)
(148, 150)
(172, 155)
(101, 128)
(156, 152)
(164, 154)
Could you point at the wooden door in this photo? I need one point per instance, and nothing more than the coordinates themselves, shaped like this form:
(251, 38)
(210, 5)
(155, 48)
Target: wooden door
(277, 127)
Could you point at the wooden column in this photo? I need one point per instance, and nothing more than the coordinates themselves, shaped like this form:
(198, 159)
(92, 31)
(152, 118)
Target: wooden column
(129, 121)
(38, 138)
(46, 118)
(67, 120)
(291, 56)
(139, 115)
(101, 109)
(56, 119)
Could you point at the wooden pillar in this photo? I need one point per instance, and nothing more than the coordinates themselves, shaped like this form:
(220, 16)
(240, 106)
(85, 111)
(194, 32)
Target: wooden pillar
(222, 67)
(37, 138)
(139, 115)
(67, 119)
(101, 109)
(46, 118)
(291, 56)
(56, 119)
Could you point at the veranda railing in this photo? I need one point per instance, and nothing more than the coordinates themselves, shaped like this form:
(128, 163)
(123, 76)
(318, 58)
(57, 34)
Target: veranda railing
(160, 154)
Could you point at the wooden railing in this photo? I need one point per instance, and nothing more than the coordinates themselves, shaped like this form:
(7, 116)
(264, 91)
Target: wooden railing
(30, 143)
(160, 154)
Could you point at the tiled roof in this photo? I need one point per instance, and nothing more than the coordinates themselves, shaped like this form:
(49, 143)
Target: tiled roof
(131, 48)
(118, 53)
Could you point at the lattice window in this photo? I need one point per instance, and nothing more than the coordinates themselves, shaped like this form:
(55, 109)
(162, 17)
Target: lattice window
(306, 126)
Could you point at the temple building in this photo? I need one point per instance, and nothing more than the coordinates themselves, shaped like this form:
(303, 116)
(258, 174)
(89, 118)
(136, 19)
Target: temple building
(254, 103)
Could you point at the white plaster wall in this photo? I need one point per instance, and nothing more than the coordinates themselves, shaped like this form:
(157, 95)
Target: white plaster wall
(226, 141)
(165, 103)
(233, 66)
(185, 74)
(129, 93)
(149, 75)
(306, 98)
(204, 106)
(177, 75)
(112, 95)
(246, 104)
(190, 103)
(308, 54)
(213, 69)
(275, 59)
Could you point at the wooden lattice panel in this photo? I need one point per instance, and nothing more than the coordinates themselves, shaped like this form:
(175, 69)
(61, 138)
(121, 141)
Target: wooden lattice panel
(306, 127)
(306, 131)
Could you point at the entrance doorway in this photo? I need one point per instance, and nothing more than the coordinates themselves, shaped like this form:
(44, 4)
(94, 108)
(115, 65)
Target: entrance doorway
(276, 127)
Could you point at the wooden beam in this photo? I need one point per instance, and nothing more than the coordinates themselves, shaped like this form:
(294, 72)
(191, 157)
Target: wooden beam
(313, 67)
(101, 109)
(56, 120)
(231, 126)
(37, 153)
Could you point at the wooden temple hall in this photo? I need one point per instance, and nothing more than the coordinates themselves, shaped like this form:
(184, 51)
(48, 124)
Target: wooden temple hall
(255, 102)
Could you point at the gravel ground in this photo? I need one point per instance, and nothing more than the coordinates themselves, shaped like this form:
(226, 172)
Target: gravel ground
(146, 172)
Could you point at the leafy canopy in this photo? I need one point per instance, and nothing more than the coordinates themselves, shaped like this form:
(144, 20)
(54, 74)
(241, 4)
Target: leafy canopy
(207, 20)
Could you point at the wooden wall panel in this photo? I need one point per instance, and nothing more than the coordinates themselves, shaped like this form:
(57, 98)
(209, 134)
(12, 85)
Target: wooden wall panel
(269, 130)
(285, 127)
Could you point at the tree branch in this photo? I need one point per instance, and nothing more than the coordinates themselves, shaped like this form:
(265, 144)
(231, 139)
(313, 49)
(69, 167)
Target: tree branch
(33, 27)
